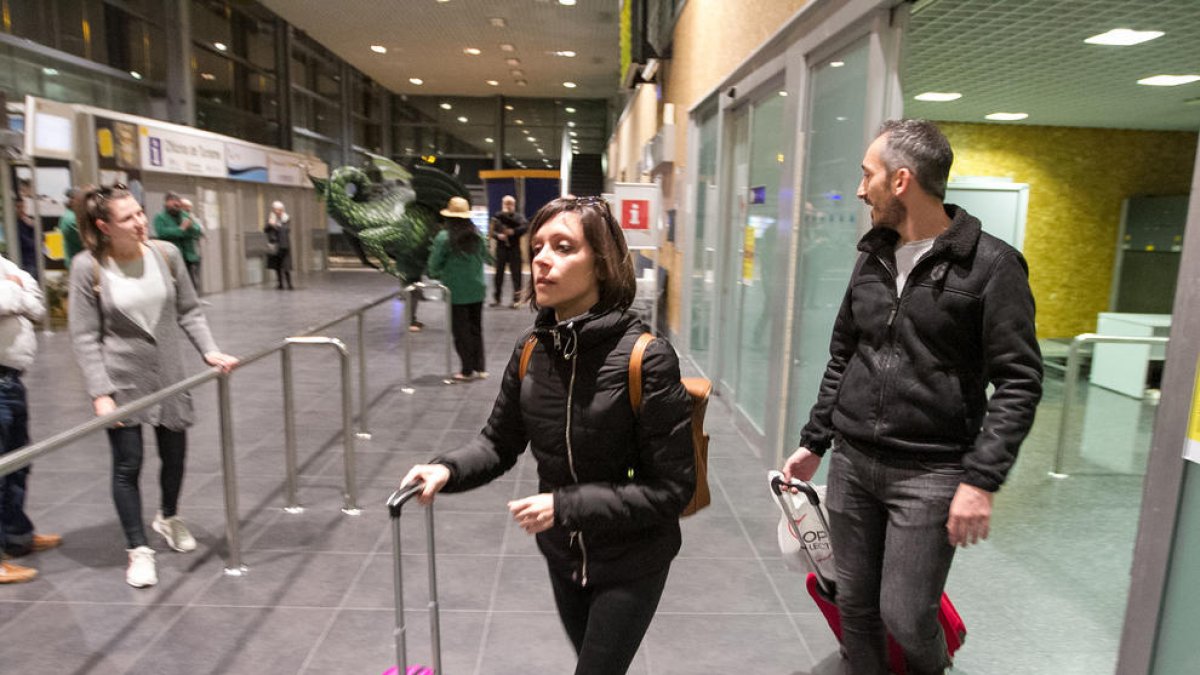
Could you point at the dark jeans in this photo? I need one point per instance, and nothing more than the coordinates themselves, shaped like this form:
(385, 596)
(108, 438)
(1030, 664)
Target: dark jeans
(510, 256)
(466, 322)
(16, 530)
(126, 443)
(193, 269)
(606, 624)
(888, 527)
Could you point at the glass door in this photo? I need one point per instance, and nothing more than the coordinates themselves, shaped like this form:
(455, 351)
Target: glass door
(704, 246)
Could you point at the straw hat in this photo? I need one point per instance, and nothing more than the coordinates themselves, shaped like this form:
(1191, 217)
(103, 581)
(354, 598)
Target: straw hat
(458, 207)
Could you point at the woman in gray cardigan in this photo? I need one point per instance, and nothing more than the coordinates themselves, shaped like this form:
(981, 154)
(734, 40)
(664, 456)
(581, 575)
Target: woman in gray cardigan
(129, 298)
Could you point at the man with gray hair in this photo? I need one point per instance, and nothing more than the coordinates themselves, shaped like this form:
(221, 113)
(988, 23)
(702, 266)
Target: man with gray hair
(936, 310)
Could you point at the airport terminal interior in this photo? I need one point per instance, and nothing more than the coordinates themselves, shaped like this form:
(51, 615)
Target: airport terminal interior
(727, 137)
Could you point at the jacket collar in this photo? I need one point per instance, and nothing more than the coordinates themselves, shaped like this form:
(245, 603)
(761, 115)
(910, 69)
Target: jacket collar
(956, 243)
(581, 333)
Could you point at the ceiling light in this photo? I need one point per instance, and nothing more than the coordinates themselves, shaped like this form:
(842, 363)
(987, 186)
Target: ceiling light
(841, 118)
(568, 3)
(513, 62)
(570, 124)
(508, 107)
(208, 76)
(505, 47)
(541, 151)
(531, 139)
(570, 110)
(52, 71)
(518, 121)
(518, 74)
(1123, 37)
(836, 64)
(379, 49)
(498, 22)
(783, 93)
(416, 80)
(1006, 117)
(574, 134)
(1168, 80)
(569, 85)
(220, 46)
(462, 119)
(472, 51)
(566, 52)
(135, 74)
(446, 106)
(489, 140)
(522, 83)
(493, 83)
(939, 96)
(525, 131)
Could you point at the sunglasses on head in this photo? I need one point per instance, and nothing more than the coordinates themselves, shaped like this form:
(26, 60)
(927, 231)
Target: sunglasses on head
(105, 192)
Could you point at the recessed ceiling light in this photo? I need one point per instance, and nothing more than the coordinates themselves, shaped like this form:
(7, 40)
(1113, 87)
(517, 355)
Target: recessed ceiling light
(446, 106)
(570, 124)
(206, 76)
(220, 46)
(472, 51)
(493, 83)
(525, 131)
(570, 110)
(531, 139)
(574, 134)
(489, 140)
(522, 83)
(498, 21)
(53, 71)
(416, 80)
(841, 118)
(135, 74)
(938, 96)
(462, 119)
(1168, 80)
(508, 107)
(783, 93)
(566, 52)
(1006, 117)
(379, 49)
(517, 73)
(568, 3)
(836, 64)
(1123, 37)
(518, 121)
(505, 47)
(569, 85)
(513, 62)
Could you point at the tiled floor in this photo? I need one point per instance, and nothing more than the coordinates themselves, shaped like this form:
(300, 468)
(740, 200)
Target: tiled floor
(1044, 595)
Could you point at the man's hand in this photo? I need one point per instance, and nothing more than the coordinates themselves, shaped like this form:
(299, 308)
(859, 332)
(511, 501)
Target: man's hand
(186, 224)
(970, 514)
(801, 465)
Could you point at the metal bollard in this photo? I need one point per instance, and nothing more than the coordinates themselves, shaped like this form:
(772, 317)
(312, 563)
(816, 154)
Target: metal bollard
(289, 430)
(232, 525)
(363, 403)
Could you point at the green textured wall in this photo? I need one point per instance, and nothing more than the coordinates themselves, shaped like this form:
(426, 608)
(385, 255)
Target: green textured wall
(1077, 180)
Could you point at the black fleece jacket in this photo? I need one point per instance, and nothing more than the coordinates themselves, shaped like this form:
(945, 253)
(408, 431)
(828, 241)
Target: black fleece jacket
(619, 481)
(908, 374)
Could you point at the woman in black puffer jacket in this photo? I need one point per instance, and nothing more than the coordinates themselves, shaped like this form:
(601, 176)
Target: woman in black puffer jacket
(612, 482)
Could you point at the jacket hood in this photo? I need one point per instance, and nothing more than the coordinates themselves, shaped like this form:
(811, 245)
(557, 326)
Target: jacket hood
(581, 333)
(956, 243)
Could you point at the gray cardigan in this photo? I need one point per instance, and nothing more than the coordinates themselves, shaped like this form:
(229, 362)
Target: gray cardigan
(123, 360)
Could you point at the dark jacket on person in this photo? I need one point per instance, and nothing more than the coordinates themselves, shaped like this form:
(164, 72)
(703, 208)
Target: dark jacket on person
(619, 482)
(908, 374)
(503, 219)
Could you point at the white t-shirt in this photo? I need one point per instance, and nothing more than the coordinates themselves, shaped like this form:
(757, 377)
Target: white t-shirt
(907, 257)
(137, 288)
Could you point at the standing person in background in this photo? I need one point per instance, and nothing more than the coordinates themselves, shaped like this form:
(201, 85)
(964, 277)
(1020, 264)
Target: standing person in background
(936, 310)
(611, 482)
(20, 306)
(507, 228)
(279, 241)
(72, 244)
(27, 239)
(177, 225)
(457, 259)
(129, 299)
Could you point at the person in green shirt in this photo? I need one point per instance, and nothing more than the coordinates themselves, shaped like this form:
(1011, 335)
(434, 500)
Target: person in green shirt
(176, 225)
(72, 244)
(457, 261)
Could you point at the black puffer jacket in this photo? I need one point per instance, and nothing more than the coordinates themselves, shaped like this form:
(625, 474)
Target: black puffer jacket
(908, 374)
(619, 482)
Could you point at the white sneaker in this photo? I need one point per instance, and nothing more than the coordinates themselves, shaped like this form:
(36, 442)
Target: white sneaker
(141, 572)
(175, 532)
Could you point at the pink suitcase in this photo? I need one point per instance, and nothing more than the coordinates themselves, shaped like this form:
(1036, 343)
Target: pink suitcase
(395, 505)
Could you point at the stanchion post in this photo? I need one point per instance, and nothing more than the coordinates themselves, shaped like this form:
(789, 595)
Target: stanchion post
(1069, 381)
(348, 459)
(232, 525)
(363, 404)
(289, 430)
(408, 337)
(449, 328)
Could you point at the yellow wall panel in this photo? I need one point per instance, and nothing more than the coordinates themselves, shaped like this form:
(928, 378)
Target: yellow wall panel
(1077, 180)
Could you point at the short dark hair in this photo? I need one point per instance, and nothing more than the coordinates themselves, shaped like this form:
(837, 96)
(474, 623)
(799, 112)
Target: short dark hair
(614, 265)
(920, 147)
(96, 205)
(171, 195)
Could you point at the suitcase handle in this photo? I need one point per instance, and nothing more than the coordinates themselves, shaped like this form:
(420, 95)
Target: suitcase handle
(395, 505)
(778, 485)
(778, 482)
(401, 497)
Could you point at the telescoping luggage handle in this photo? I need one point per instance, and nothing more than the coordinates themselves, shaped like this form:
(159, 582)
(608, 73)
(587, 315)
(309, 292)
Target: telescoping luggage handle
(395, 505)
(778, 485)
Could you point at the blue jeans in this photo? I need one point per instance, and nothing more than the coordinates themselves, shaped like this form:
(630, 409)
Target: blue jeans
(887, 521)
(16, 530)
(126, 443)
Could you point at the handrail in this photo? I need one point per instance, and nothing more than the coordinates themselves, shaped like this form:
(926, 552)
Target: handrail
(408, 306)
(1072, 374)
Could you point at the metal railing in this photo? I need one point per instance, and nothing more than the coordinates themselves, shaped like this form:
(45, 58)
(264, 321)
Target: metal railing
(22, 457)
(1071, 381)
(408, 307)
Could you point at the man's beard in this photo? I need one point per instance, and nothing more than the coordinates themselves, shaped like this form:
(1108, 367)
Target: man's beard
(890, 213)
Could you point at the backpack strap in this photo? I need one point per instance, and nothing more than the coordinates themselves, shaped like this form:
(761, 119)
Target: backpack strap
(526, 354)
(635, 371)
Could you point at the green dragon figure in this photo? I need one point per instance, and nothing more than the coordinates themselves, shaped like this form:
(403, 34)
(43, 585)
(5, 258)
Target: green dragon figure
(390, 216)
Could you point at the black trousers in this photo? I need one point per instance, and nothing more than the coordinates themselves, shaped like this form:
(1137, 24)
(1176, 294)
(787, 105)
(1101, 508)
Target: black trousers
(126, 443)
(466, 322)
(606, 624)
(510, 256)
